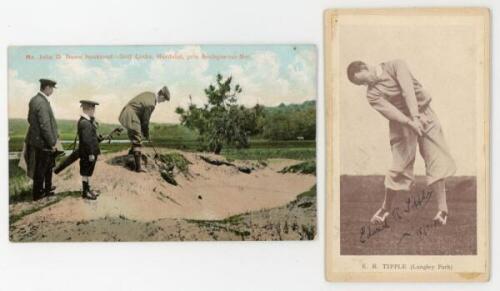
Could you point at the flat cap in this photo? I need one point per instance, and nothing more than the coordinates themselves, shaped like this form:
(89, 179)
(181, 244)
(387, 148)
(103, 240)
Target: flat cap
(89, 102)
(165, 92)
(45, 82)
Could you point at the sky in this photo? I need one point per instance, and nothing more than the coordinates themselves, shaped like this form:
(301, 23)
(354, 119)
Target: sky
(112, 75)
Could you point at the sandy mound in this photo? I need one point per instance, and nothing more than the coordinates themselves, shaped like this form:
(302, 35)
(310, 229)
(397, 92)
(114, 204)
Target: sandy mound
(206, 192)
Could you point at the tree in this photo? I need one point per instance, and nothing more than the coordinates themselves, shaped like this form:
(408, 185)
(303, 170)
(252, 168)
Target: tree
(290, 122)
(222, 121)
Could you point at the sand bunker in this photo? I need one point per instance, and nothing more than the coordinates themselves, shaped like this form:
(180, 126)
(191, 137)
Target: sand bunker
(207, 191)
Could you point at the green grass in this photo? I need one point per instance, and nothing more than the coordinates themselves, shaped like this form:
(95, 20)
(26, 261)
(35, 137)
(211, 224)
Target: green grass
(173, 131)
(310, 193)
(67, 128)
(219, 225)
(261, 149)
(176, 160)
(19, 183)
(174, 136)
(307, 167)
(305, 153)
(170, 161)
(258, 150)
(179, 137)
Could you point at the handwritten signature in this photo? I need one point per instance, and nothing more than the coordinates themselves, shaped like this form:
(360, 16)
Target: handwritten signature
(412, 204)
(420, 232)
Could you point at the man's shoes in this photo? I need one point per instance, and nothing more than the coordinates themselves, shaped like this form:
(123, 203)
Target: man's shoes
(49, 194)
(441, 217)
(137, 160)
(380, 216)
(38, 194)
(37, 197)
(88, 195)
(96, 193)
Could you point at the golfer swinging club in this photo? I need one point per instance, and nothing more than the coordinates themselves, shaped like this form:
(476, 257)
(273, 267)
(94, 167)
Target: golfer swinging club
(135, 118)
(398, 96)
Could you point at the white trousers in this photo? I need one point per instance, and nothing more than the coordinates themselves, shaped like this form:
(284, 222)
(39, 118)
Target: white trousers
(432, 146)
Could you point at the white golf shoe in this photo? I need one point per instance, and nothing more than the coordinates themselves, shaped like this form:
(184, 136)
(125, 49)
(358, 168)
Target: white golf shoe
(379, 216)
(441, 217)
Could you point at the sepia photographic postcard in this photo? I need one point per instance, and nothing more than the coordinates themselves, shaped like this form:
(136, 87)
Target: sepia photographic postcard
(407, 136)
(162, 143)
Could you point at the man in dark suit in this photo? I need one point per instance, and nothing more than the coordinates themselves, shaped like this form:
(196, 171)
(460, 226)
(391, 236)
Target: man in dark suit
(41, 141)
(88, 146)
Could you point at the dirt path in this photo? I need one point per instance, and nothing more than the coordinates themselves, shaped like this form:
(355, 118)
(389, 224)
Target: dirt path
(209, 192)
(294, 221)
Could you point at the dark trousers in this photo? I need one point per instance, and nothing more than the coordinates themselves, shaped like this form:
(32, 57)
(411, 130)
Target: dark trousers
(42, 177)
(86, 166)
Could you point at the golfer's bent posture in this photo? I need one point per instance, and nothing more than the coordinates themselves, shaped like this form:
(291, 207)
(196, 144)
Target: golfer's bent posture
(135, 118)
(398, 96)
